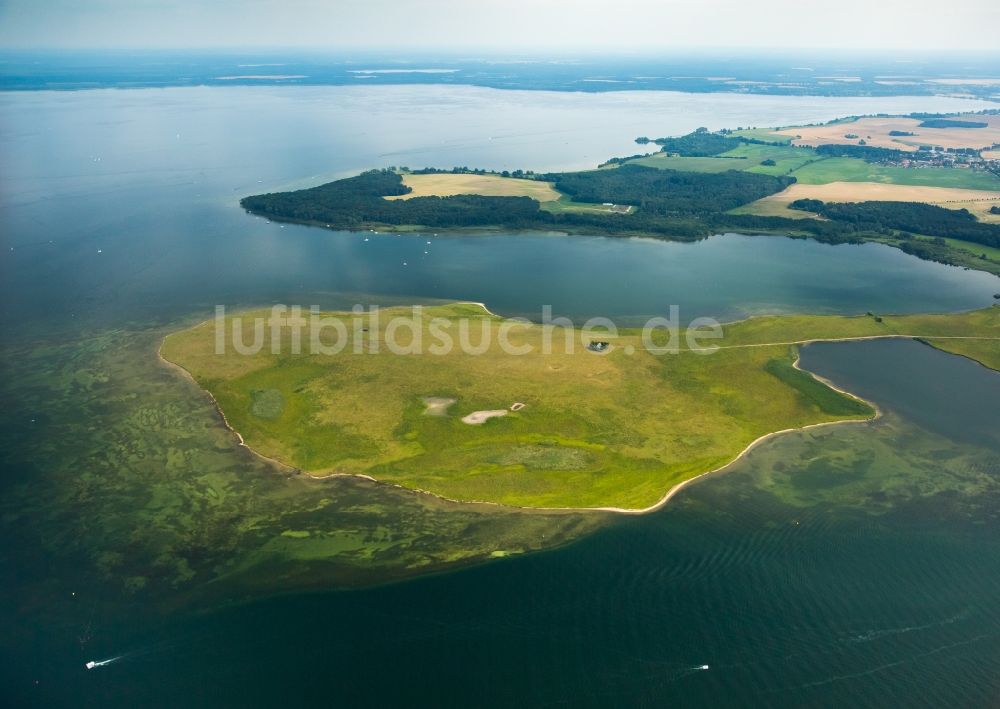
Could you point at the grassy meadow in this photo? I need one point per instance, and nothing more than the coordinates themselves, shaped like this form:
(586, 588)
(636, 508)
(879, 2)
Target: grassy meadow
(990, 252)
(566, 204)
(616, 429)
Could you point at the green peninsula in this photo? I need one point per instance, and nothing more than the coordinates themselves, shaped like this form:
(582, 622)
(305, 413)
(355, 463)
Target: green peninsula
(935, 200)
(619, 427)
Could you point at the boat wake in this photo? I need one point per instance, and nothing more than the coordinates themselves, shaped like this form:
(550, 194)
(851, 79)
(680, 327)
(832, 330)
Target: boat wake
(102, 663)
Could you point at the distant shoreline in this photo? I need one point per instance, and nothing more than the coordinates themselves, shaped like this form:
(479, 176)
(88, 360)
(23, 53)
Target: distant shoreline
(802, 73)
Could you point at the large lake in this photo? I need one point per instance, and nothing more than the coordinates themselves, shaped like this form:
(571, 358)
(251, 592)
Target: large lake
(119, 204)
(858, 561)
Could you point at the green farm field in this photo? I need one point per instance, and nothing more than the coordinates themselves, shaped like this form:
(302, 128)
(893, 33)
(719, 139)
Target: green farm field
(855, 170)
(807, 167)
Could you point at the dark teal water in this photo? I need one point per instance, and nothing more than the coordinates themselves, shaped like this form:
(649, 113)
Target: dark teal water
(849, 566)
(907, 378)
(811, 603)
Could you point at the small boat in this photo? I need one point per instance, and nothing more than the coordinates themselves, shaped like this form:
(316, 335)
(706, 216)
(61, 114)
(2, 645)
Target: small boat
(101, 663)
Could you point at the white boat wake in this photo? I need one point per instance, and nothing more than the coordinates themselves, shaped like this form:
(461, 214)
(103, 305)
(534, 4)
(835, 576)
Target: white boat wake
(102, 663)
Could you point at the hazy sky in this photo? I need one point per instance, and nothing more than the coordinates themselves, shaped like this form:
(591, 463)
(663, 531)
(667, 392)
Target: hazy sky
(600, 25)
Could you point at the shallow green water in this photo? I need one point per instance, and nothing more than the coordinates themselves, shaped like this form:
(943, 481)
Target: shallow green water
(852, 565)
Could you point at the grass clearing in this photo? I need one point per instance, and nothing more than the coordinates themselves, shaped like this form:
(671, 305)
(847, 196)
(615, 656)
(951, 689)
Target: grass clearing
(773, 208)
(991, 252)
(615, 429)
(566, 204)
(447, 184)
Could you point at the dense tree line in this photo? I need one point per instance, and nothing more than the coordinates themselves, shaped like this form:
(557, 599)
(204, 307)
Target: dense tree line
(868, 153)
(622, 160)
(699, 144)
(665, 192)
(826, 231)
(358, 200)
(907, 217)
(520, 174)
(951, 123)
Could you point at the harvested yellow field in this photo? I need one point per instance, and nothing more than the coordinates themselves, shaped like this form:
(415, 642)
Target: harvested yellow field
(445, 185)
(976, 201)
(991, 154)
(981, 210)
(875, 132)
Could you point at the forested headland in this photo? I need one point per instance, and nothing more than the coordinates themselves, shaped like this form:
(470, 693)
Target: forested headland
(669, 204)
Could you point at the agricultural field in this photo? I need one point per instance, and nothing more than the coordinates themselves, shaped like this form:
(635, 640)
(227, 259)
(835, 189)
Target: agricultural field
(765, 134)
(551, 200)
(787, 159)
(571, 428)
(982, 211)
(876, 132)
(807, 167)
(977, 201)
(856, 170)
(447, 184)
(747, 157)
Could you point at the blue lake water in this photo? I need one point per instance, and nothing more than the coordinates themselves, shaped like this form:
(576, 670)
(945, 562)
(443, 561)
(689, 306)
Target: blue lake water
(123, 204)
(119, 209)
